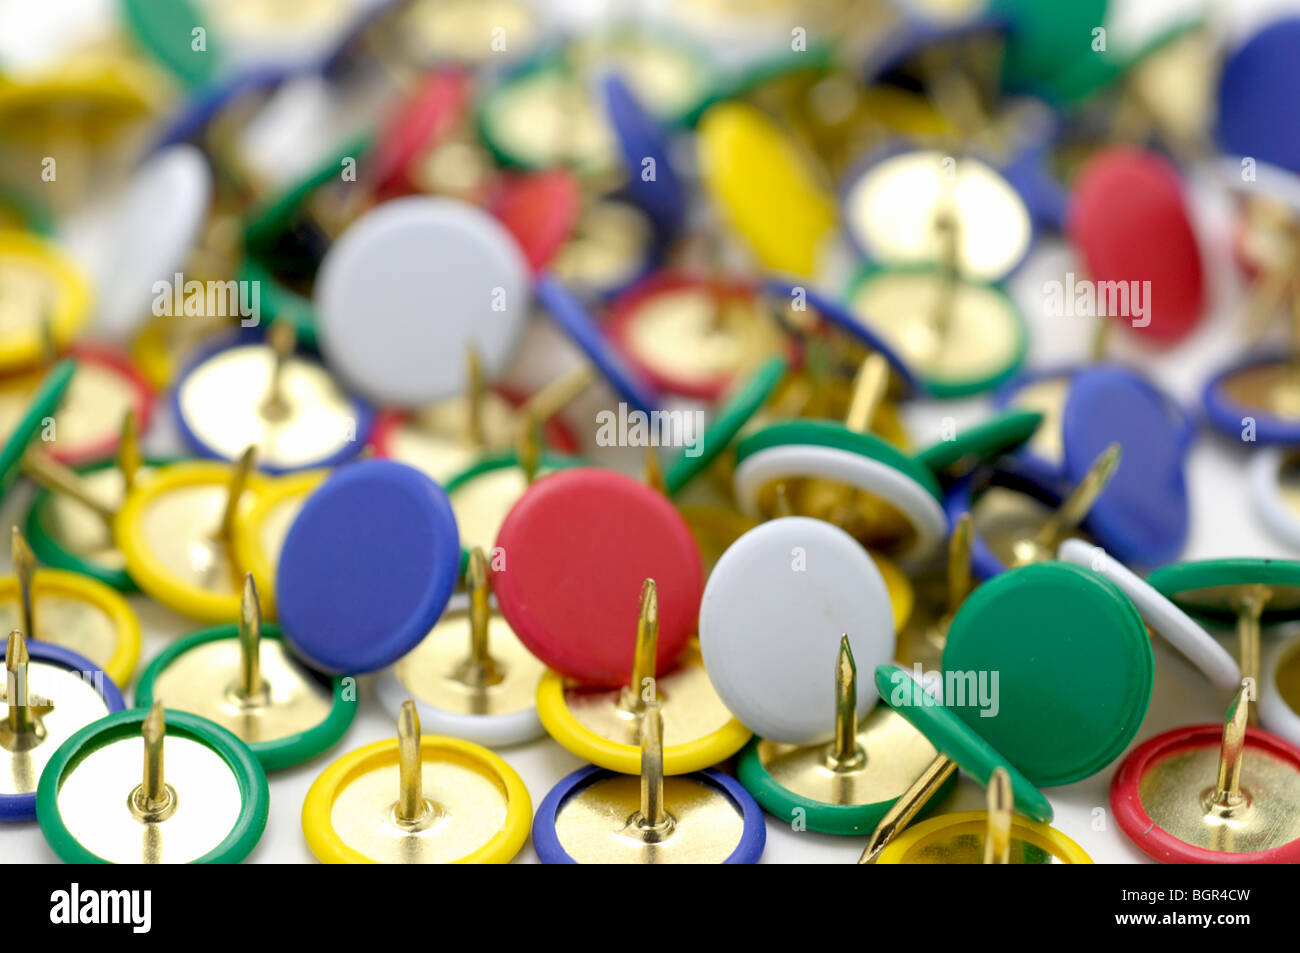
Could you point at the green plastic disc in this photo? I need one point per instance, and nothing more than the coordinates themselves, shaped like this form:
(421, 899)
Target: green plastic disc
(281, 301)
(845, 819)
(982, 443)
(1047, 38)
(828, 433)
(49, 548)
(281, 752)
(954, 738)
(251, 779)
(165, 28)
(43, 405)
(1066, 662)
(1210, 588)
(726, 423)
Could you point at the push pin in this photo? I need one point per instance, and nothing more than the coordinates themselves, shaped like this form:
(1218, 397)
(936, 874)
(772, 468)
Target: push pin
(1018, 521)
(470, 677)
(261, 528)
(994, 836)
(266, 395)
(601, 724)
(70, 522)
(243, 678)
(939, 594)
(49, 694)
(846, 786)
(597, 816)
(959, 745)
(176, 532)
(417, 799)
(67, 609)
(205, 804)
(1252, 593)
(845, 475)
(1212, 794)
(376, 527)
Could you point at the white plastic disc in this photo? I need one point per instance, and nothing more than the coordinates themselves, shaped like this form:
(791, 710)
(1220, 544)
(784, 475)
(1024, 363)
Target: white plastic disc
(511, 728)
(142, 235)
(1175, 625)
(405, 292)
(804, 460)
(1266, 495)
(1275, 714)
(774, 609)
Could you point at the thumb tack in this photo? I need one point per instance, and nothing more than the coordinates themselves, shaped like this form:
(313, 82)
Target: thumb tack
(470, 677)
(601, 725)
(50, 693)
(595, 816)
(1212, 794)
(417, 799)
(70, 610)
(243, 678)
(266, 395)
(176, 532)
(995, 836)
(1018, 521)
(201, 798)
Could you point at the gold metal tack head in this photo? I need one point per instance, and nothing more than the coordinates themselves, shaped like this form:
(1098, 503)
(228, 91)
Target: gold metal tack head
(997, 839)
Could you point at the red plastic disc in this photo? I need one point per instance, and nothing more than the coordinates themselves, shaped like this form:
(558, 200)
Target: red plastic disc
(433, 111)
(540, 210)
(628, 309)
(1159, 843)
(577, 547)
(1129, 220)
(116, 364)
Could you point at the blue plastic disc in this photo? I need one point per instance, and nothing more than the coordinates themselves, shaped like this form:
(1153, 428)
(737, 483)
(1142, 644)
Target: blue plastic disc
(841, 317)
(653, 185)
(1233, 419)
(22, 807)
(576, 322)
(1259, 85)
(550, 851)
(367, 567)
(1142, 516)
(343, 444)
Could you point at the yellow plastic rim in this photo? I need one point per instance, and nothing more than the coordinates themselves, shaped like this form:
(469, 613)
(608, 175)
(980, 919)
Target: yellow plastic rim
(1041, 836)
(902, 598)
(70, 308)
(695, 755)
(329, 848)
(120, 666)
(249, 552)
(142, 565)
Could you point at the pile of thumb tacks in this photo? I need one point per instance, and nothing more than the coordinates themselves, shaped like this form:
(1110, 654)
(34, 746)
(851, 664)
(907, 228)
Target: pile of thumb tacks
(732, 418)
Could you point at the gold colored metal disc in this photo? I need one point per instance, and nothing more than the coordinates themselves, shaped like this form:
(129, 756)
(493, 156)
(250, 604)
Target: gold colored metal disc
(26, 296)
(179, 528)
(1175, 790)
(94, 803)
(691, 708)
(470, 808)
(92, 410)
(1272, 387)
(894, 208)
(922, 638)
(481, 504)
(223, 402)
(866, 517)
(463, 30)
(76, 704)
(896, 754)
(669, 79)
(694, 335)
(547, 118)
(204, 681)
(979, 339)
(593, 825)
(436, 439)
(457, 167)
(1176, 82)
(434, 671)
(72, 623)
(78, 529)
(1046, 396)
(968, 848)
(607, 248)
(1233, 598)
(1009, 521)
(714, 529)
